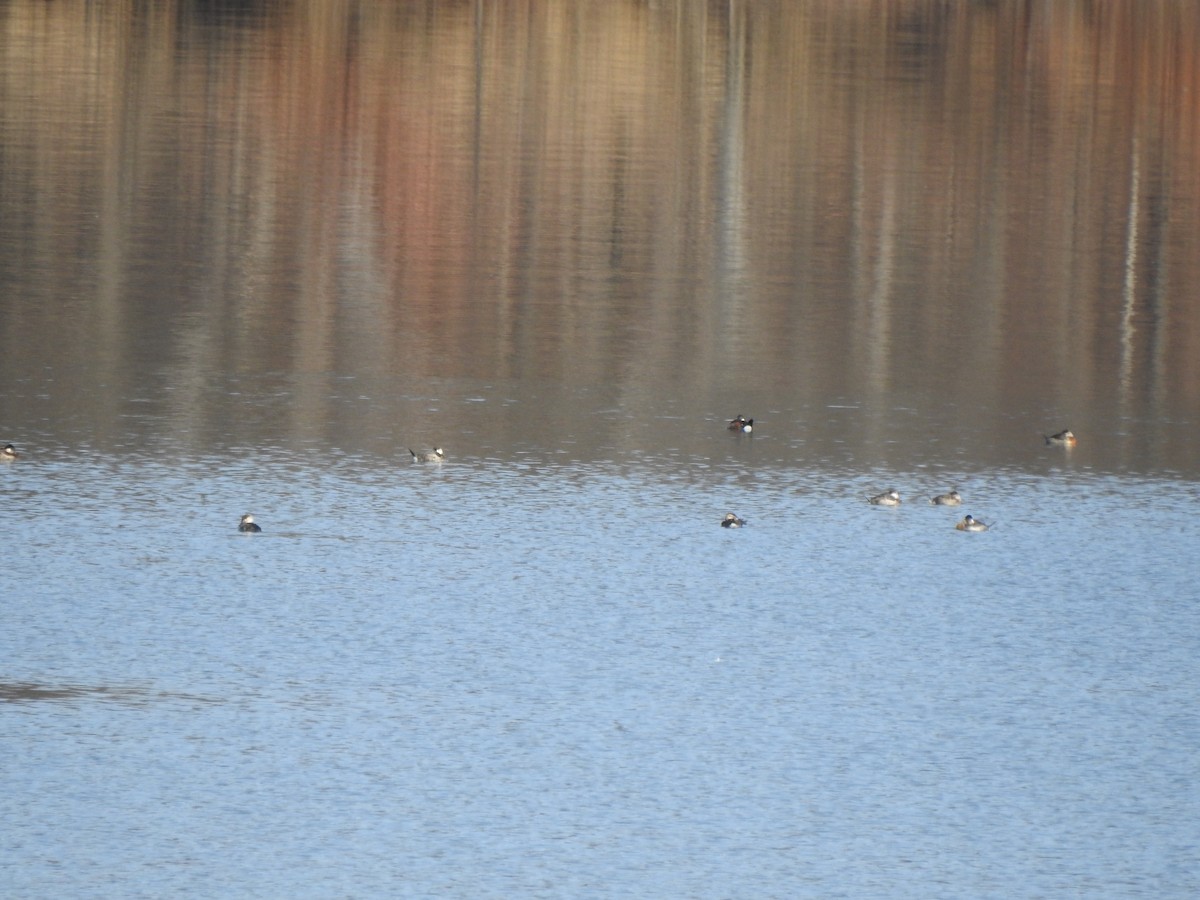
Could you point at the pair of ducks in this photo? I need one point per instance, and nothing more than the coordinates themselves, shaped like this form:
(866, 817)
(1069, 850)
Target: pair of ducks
(953, 498)
(437, 454)
(247, 525)
(969, 523)
(1064, 438)
(892, 498)
(742, 425)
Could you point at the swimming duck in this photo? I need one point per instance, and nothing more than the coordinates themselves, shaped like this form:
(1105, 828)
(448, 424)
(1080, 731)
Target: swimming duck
(9, 452)
(247, 524)
(437, 454)
(951, 499)
(732, 521)
(970, 523)
(887, 498)
(1063, 438)
(742, 424)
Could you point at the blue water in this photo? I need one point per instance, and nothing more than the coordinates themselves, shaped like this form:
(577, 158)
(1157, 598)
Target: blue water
(507, 676)
(252, 252)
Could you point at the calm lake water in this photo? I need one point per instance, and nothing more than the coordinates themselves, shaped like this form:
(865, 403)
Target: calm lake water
(250, 254)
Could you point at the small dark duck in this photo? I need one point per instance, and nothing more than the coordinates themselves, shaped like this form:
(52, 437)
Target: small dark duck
(437, 454)
(970, 523)
(732, 521)
(954, 498)
(741, 423)
(9, 452)
(887, 498)
(1062, 439)
(247, 525)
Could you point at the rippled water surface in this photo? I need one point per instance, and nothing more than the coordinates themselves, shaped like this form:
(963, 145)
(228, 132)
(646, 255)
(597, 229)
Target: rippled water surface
(508, 676)
(252, 253)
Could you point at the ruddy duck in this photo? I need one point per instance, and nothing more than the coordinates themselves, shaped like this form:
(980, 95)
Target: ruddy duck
(434, 455)
(951, 499)
(1062, 439)
(970, 523)
(247, 524)
(732, 521)
(9, 452)
(742, 424)
(887, 498)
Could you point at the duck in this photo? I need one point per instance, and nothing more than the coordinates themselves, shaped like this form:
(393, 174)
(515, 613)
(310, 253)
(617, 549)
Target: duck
(887, 498)
(437, 454)
(732, 521)
(741, 423)
(247, 525)
(1065, 438)
(970, 523)
(954, 498)
(9, 452)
